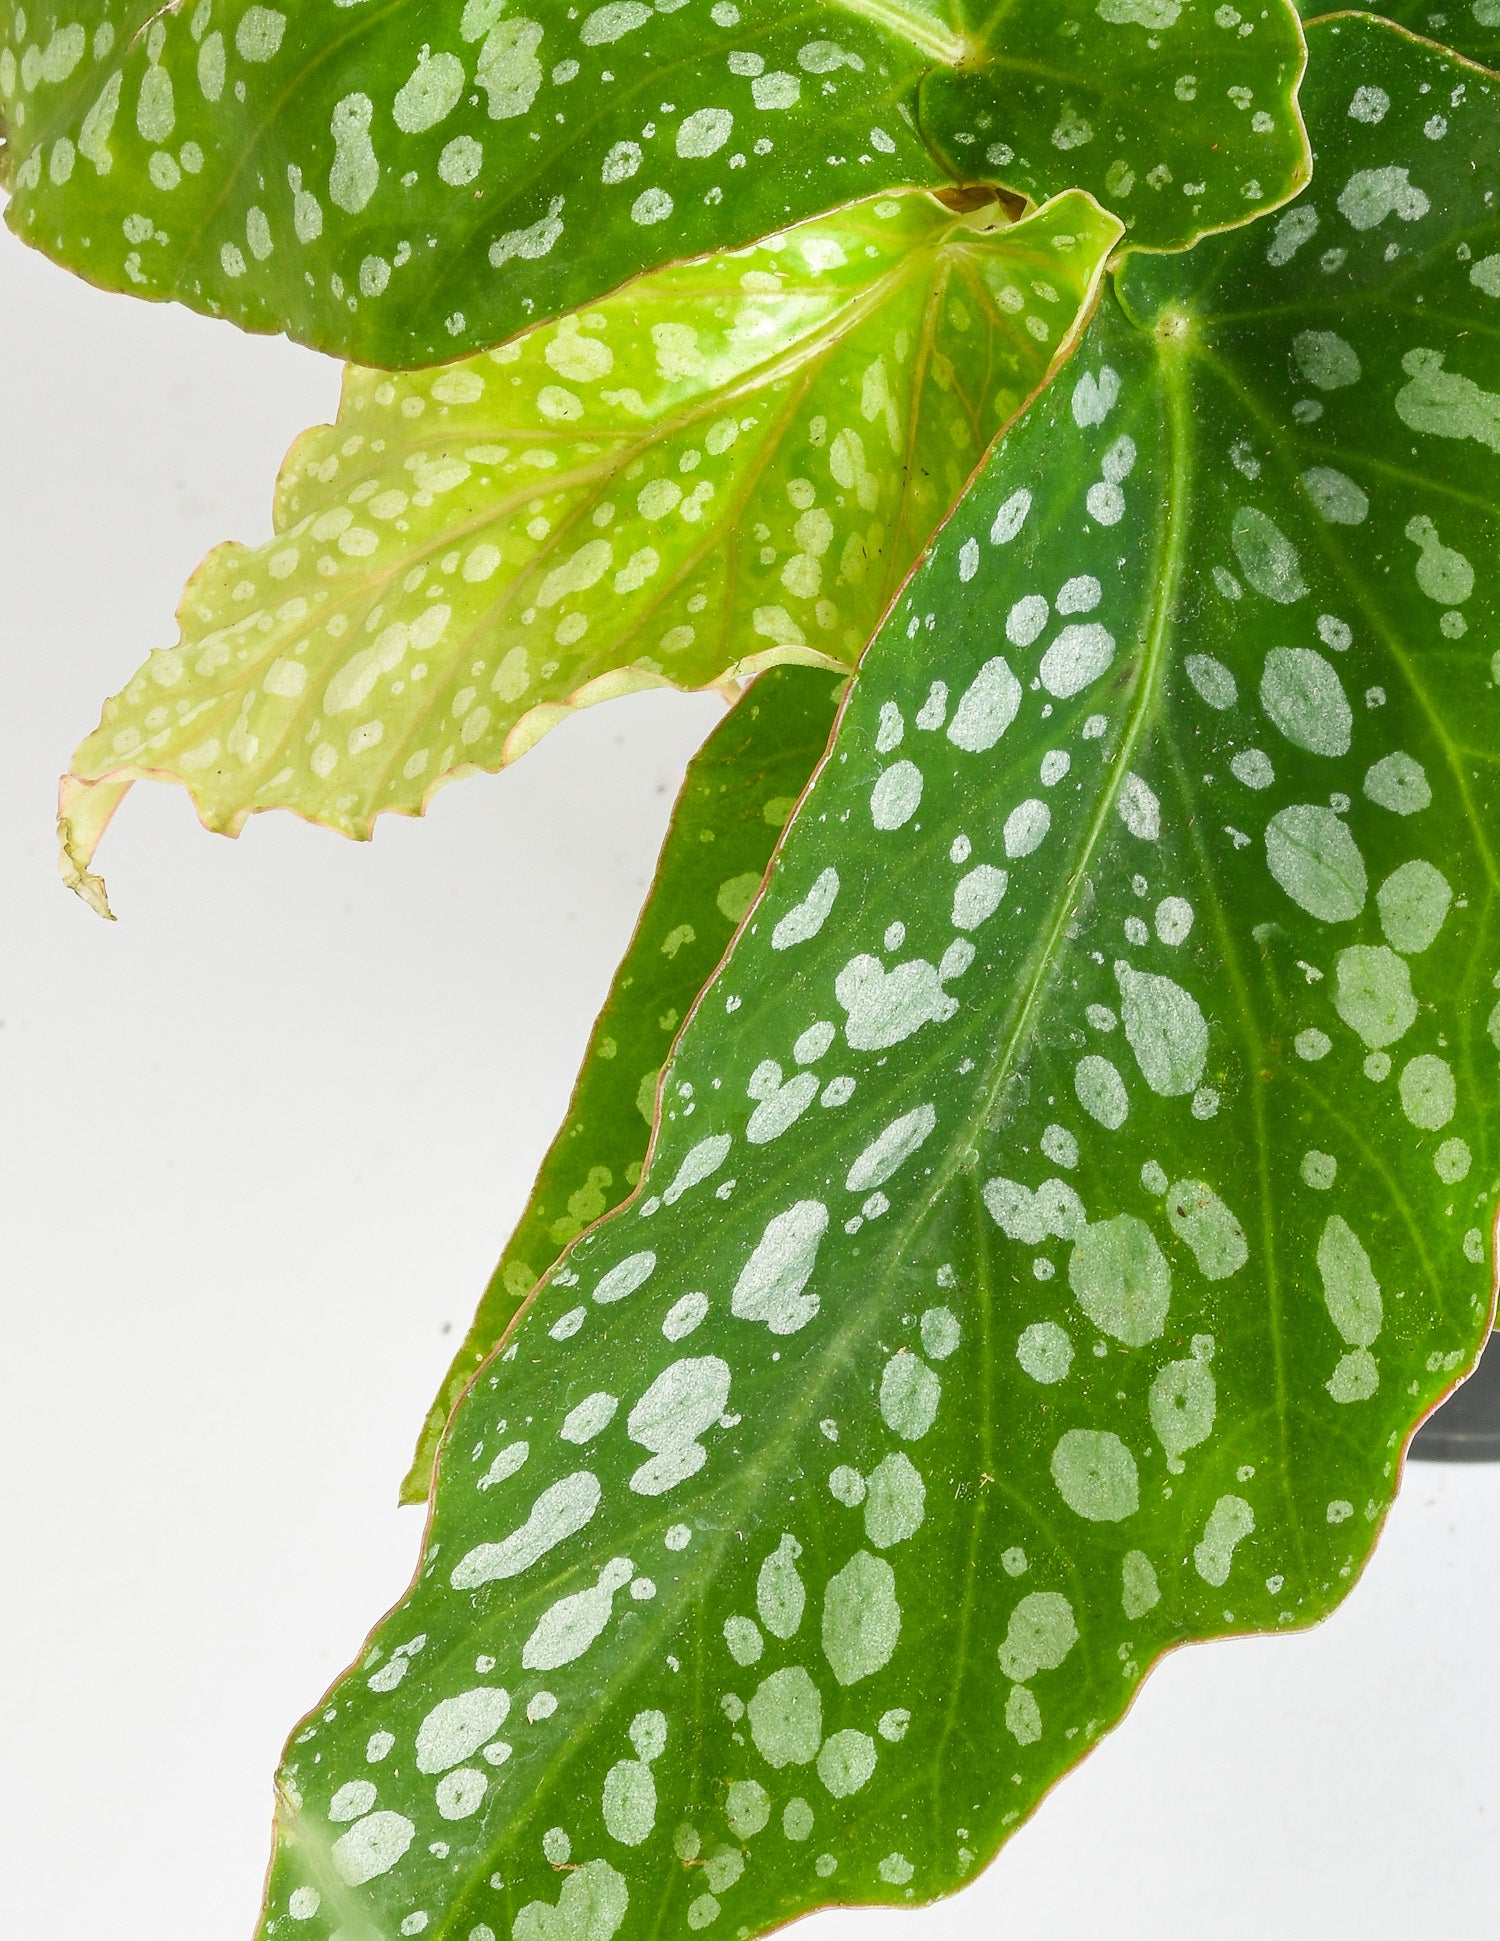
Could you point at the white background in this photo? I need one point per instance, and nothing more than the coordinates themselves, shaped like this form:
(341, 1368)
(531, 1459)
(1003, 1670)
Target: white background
(262, 1140)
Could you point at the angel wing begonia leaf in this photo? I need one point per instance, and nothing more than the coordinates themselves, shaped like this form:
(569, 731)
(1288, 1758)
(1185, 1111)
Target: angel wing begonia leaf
(731, 462)
(403, 188)
(739, 791)
(1078, 1181)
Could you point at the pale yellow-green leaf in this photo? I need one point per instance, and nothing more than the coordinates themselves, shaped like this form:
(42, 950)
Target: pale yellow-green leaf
(729, 463)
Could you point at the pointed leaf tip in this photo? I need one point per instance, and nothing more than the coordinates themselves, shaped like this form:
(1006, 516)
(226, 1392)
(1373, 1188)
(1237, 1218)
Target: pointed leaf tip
(83, 813)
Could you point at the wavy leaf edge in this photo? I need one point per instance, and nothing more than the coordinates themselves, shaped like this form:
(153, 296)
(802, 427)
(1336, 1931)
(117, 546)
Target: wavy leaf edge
(87, 801)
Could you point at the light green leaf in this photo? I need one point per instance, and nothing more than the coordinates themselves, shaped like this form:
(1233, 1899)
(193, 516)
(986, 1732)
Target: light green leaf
(730, 463)
(739, 791)
(403, 190)
(1141, 1207)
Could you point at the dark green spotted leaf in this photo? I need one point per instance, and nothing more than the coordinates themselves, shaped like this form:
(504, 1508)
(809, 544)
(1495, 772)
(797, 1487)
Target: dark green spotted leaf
(1176, 114)
(730, 463)
(1470, 27)
(1077, 1182)
(739, 791)
(403, 189)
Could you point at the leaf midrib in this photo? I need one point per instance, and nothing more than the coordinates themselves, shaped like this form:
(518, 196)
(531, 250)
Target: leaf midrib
(1036, 977)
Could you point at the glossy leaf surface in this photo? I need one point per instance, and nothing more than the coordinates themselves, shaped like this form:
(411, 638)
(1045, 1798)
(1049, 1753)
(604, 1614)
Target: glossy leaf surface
(1077, 1182)
(739, 791)
(727, 464)
(1175, 115)
(404, 189)
(1470, 27)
